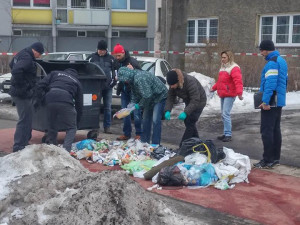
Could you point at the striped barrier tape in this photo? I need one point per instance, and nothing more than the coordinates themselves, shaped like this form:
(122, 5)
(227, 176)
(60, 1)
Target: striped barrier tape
(177, 53)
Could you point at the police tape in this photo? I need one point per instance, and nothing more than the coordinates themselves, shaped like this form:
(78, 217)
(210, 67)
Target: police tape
(175, 53)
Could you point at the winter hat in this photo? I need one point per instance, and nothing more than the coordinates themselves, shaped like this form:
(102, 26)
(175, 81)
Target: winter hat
(267, 45)
(172, 77)
(38, 46)
(102, 45)
(118, 49)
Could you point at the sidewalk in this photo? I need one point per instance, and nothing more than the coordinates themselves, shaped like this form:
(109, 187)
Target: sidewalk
(269, 198)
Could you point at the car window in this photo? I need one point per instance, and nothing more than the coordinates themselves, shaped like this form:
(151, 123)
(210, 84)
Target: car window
(55, 57)
(164, 69)
(168, 65)
(147, 66)
(75, 57)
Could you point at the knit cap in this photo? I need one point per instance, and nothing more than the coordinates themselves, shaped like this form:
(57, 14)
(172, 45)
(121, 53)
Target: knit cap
(118, 49)
(267, 45)
(38, 46)
(172, 77)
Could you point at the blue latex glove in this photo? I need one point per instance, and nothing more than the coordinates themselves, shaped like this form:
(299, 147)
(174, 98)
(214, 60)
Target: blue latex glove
(182, 116)
(137, 106)
(168, 115)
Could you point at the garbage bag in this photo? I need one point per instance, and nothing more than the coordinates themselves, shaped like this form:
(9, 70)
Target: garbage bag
(87, 143)
(171, 176)
(192, 145)
(137, 166)
(201, 175)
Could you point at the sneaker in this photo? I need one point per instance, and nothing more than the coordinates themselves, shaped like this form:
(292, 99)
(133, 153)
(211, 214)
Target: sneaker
(107, 130)
(221, 137)
(137, 137)
(276, 163)
(123, 138)
(262, 164)
(226, 139)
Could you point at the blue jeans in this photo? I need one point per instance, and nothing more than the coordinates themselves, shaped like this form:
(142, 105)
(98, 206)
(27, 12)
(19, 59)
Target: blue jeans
(226, 106)
(107, 99)
(125, 100)
(153, 116)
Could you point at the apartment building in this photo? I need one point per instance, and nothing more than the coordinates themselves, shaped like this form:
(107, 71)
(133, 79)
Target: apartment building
(76, 25)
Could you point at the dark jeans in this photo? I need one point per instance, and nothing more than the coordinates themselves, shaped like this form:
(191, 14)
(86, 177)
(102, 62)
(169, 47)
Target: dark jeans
(190, 125)
(61, 114)
(24, 125)
(271, 133)
(125, 100)
(107, 99)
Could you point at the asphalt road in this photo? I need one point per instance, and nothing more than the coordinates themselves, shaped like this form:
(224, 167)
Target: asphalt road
(245, 127)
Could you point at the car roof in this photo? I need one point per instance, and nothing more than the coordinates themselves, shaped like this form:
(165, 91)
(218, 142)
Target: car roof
(147, 59)
(75, 52)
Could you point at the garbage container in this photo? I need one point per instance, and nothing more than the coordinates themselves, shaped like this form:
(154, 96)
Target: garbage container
(92, 79)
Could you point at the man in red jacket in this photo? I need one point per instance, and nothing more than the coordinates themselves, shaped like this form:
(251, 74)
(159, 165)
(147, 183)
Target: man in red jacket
(228, 86)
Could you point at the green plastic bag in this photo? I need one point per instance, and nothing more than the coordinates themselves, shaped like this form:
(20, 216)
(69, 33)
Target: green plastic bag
(137, 166)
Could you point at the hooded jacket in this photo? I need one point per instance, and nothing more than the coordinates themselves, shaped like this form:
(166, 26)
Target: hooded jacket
(124, 63)
(274, 77)
(230, 83)
(23, 70)
(191, 92)
(147, 89)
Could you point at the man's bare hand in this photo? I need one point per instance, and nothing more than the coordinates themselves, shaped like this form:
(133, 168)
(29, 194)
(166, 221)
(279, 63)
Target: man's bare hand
(264, 106)
(130, 66)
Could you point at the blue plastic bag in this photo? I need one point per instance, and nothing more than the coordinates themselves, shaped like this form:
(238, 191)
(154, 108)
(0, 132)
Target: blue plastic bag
(87, 143)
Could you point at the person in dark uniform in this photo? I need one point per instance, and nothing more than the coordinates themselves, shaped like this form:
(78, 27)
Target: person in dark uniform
(62, 89)
(107, 63)
(125, 60)
(23, 80)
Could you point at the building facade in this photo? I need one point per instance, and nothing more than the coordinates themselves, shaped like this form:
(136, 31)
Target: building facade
(239, 25)
(77, 25)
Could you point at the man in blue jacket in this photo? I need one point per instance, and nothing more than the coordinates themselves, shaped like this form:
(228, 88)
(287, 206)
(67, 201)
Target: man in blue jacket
(273, 81)
(23, 80)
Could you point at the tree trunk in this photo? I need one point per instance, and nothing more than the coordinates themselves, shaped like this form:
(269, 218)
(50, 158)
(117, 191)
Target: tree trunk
(174, 33)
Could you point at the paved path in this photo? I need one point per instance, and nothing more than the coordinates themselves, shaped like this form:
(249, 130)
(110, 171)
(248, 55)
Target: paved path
(269, 198)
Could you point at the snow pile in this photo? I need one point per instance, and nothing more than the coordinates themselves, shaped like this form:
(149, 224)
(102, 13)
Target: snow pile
(43, 184)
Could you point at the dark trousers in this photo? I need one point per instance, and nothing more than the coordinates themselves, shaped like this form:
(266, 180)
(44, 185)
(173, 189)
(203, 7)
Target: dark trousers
(190, 125)
(64, 115)
(24, 125)
(271, 133)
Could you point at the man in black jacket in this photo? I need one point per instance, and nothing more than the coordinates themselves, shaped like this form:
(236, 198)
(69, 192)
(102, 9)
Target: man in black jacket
(107, 63)
(124, 59)
(62, 89)
(23, 80)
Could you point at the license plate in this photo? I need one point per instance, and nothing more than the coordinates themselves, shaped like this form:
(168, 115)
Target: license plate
(6, 86)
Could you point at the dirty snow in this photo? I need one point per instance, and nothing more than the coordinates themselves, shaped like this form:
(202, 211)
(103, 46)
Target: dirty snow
(43, 184)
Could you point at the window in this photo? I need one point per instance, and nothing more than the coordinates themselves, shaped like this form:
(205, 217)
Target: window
(283, 30)
(17, 32)
(97, 4)
(129, 4)
(201, 31)
(36, 33)
(78, 3)
(115, 34)
(81, 33)
(33, 3)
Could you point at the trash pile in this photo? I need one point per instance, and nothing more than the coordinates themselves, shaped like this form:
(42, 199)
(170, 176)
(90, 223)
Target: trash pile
(196, 164)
